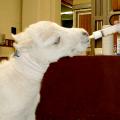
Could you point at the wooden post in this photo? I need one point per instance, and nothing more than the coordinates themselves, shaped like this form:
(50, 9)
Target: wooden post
(92, 43)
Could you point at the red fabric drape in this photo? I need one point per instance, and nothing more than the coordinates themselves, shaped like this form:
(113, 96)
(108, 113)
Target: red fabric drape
(81, 88)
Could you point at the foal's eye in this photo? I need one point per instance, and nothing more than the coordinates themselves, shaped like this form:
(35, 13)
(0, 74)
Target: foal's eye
(57, 41)
(85, 33)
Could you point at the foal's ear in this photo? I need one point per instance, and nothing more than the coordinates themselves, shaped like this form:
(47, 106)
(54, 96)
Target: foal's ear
(18, 37)
(22, 40)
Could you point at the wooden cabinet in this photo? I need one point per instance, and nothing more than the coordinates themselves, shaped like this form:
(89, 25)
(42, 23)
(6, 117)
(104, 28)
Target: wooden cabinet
(6, 49)
(102, 10)
(82, 17)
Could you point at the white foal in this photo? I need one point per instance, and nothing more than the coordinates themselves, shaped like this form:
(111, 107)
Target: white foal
(39, 45)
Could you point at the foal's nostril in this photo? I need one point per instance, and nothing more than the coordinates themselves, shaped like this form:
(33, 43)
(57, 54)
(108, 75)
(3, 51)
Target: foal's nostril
(85, 41)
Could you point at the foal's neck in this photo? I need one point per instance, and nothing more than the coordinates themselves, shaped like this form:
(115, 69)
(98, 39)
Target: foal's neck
(29, 68)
